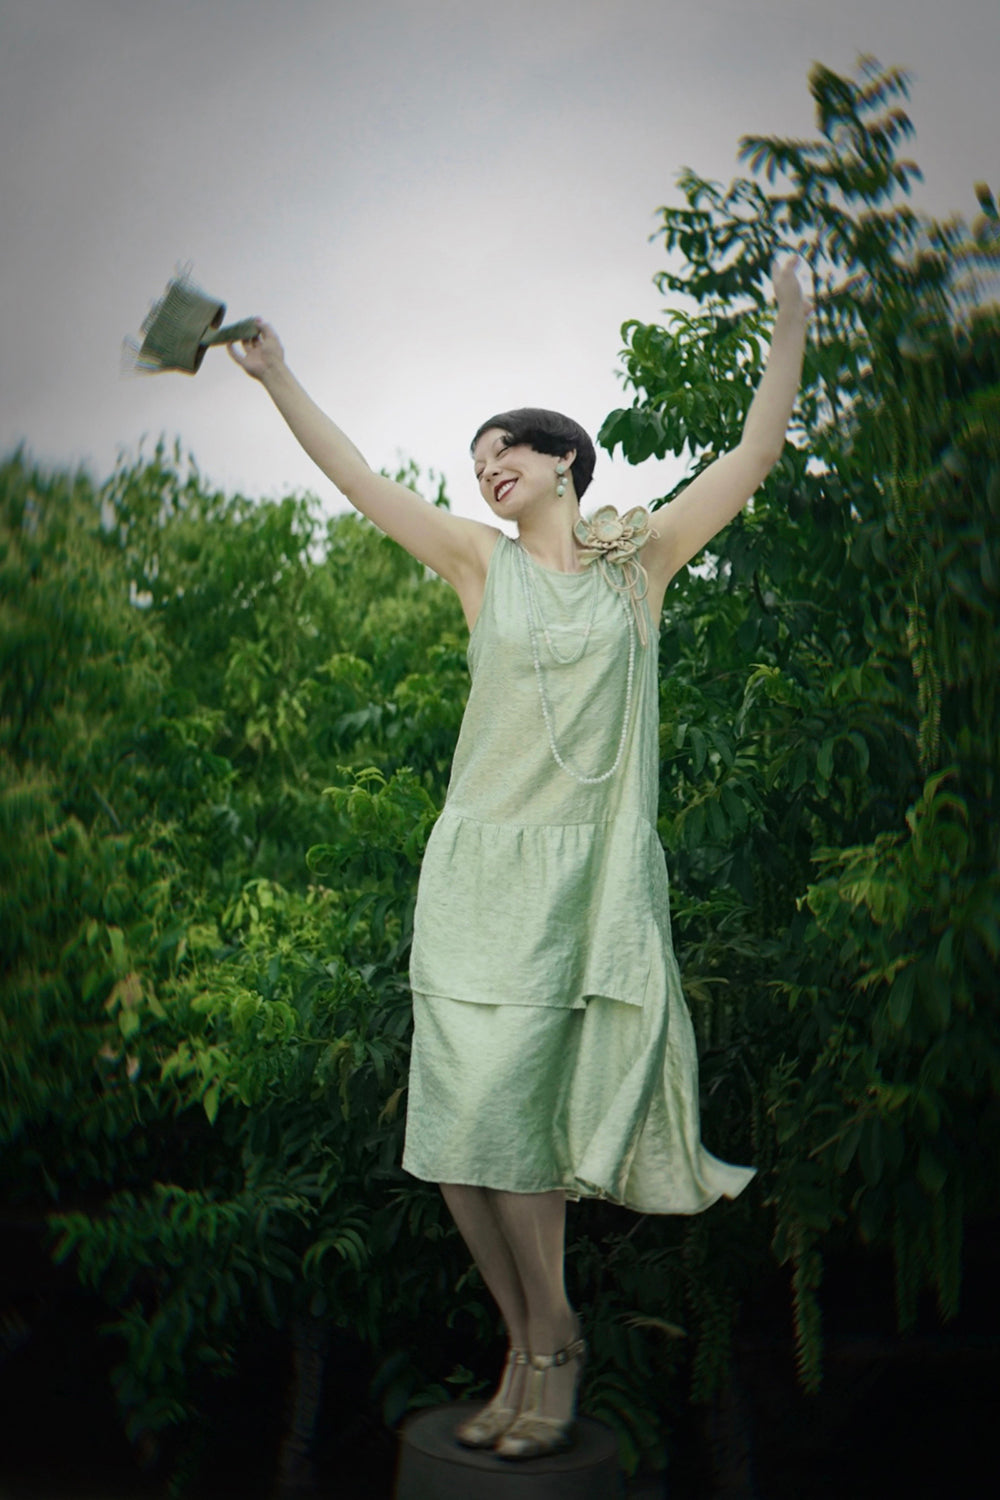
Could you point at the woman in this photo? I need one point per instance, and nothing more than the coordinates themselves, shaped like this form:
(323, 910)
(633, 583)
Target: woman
(553, 1055)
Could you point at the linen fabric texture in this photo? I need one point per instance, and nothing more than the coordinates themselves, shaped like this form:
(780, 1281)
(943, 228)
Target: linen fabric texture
(552, 1045)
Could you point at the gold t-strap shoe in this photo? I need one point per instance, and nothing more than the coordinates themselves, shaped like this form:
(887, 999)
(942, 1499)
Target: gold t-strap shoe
(532, 1435)
(482, 1430)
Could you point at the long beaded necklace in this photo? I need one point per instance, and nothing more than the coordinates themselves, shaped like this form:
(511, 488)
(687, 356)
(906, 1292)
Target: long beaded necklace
(534, 618)
(564, 661)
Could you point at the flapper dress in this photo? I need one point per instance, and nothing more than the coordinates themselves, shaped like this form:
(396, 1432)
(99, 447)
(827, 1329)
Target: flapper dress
(552, 1045)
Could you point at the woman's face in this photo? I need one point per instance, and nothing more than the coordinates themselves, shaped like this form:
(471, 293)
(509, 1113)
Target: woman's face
(513, 477)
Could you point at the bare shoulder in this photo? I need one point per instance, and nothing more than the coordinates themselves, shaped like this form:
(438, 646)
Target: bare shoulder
(454, 547)
(483, 539)
(469, 581)
(470, 548)
(658, 560)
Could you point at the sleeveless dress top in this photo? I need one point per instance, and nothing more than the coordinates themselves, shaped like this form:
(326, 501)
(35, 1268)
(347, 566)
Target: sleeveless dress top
(544, 894)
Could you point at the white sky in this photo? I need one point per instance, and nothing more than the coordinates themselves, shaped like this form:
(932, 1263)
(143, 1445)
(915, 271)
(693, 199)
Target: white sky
(443, 207)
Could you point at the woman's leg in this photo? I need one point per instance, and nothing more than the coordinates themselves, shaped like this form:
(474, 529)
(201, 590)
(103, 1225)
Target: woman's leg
(534, 1228)
(475, 1213)
(517, 1241)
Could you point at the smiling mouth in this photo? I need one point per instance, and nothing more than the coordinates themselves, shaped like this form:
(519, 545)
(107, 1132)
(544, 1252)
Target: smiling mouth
(502, 490)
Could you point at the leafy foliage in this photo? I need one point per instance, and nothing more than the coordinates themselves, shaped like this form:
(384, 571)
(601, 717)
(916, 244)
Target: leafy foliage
(829, 784)
(203, 1044)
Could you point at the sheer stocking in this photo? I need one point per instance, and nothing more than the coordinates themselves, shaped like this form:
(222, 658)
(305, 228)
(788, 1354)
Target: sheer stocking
(517, 1241)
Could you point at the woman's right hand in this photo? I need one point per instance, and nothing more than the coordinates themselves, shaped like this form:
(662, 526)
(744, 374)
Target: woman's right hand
(262, 355)
(456, 548)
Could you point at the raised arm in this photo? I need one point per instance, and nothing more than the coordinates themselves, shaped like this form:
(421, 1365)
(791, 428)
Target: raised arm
(456, 548)
(712, 500)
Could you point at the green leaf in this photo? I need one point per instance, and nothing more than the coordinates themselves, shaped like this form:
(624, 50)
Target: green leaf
(901, 997)
(932, 1173)
(717, 821)
(128, 1023)
(119, 958)
(734, 806)
(935, 994)
(699, 749)
(694, 826)
(824, 760)
(210, 1102)
(861, 749)
(847, 1145)
(870, 1150)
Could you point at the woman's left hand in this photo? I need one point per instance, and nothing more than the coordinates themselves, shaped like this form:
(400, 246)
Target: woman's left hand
(787, 291)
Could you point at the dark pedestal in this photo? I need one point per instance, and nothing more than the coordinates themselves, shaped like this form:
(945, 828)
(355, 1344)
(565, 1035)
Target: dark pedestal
(432, 1466)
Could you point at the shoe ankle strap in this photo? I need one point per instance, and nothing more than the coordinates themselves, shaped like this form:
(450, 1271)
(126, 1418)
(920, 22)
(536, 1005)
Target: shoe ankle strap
(572, 1350)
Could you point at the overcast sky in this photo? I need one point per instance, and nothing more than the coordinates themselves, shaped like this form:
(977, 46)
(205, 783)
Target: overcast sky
(444, 206)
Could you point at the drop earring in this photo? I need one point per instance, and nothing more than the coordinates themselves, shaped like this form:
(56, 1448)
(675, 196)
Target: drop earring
(561, 484)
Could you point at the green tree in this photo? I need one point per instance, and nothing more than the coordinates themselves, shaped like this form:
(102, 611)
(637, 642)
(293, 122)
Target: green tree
(829, 783)
(203, 1045)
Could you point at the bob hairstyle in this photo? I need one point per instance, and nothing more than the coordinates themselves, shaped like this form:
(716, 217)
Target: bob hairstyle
(547, 432)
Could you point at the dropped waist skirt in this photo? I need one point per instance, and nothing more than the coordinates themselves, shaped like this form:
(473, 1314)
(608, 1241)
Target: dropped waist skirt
(599, 1101)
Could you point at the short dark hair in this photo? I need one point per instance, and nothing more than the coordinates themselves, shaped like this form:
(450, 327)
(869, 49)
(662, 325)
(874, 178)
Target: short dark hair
(547, 432)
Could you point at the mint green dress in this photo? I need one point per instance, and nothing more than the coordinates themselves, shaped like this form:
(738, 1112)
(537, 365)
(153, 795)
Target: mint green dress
(552, 1046)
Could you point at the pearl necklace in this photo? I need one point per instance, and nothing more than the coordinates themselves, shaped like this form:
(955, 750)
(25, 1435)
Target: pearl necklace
(534, 615)
(564, 661)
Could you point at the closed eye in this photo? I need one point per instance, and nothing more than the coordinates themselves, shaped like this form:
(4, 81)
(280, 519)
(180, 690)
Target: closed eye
(501, 447)
(496, 454)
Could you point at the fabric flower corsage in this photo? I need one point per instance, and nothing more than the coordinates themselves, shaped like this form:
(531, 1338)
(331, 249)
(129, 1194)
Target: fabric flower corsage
(608, 538)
